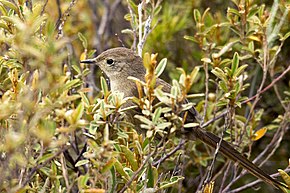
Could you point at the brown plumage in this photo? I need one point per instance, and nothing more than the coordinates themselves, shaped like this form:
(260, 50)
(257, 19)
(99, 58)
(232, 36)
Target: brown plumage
(120, 63)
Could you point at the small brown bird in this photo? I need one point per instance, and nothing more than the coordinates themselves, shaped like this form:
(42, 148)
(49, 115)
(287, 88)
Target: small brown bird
(120, 63)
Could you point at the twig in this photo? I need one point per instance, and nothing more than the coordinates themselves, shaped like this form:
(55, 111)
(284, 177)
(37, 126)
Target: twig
(105, 19)
(205, 64)
(210, 171)
(249, 185)
(134, 30)
(59, 13)
(179, 146)
(59, 26)
(29, 4)
(275, 142)
(225, 176)
(269, 86)
(221, 171)
(64, 170)
(222, 114)
(43, 8)
(219, 116)
(277, 92)
(31, 173)
(138, 171)
(140, 6)
(41, 13)
(264, 66)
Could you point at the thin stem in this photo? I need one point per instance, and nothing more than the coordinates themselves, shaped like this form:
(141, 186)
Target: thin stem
(162, 159)
(205, 64)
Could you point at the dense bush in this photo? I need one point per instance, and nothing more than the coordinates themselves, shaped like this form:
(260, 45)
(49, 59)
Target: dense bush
(62, 130)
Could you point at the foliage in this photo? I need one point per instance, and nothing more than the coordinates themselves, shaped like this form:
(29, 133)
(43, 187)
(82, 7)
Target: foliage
(62, 132)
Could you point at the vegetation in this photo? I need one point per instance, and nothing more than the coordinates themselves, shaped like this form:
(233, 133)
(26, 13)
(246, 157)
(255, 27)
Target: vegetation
(62, 130)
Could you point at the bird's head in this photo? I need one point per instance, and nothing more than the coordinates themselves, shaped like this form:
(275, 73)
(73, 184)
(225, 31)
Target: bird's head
(119, 63)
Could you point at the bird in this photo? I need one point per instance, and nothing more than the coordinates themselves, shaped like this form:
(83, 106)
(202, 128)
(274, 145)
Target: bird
(120, 63)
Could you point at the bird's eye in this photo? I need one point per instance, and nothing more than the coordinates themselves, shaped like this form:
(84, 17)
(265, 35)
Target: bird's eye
(110, 61)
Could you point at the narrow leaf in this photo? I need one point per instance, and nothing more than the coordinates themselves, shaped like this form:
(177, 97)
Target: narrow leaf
(285, 177)
(219, 73)
(104, 86)
(161, 66)
(130, 157)
(259, 134)
(81, 162)
(235, 63)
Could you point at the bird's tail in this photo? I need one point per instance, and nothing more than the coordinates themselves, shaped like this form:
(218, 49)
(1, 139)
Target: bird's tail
(227, 150)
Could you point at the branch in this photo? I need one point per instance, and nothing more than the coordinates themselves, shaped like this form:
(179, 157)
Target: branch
(249, 185)
(138, 171)
(179, 146)
(269, 86)
(222, 114)
(60, 23)
(42, 165)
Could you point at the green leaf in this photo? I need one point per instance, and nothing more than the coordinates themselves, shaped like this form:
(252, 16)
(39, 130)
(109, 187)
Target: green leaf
(235, 63)
(3, 10)
(174, 92)
(119, 167)
(83, 40)
(161, 96)
(150, 176)
(133, 6)
(108, 166)
(4, 26)
(237, 88)
(226, 48)
(45, 157)
(251, 46)
(78, 113)
(129, 155)
(81, 162)
(10, 5)
(234, 11)
(83, 180)
(147, 60)
(70, 84)
(240, 70)
(219, 73)
(113, 180)
(104, 86)
(191, 38)
(85, 99)
(143, 119)
(191, 125)
(285, 177)
(127, 31)
(156, 115)
(173, 180)
(221, 103)
(253, 12)
(286, 36)
(161, 66)
(196, 16)
(193, 74)
(162, 126)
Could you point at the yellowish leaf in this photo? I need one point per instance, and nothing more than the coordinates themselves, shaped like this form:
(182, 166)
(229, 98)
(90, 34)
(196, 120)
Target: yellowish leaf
(209, 187)
(146, 60)
(94, 190)
(255, 38)
(285, 177)
(259, 134)
(83, 55)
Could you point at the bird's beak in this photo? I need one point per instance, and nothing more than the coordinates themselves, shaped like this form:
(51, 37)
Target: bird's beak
(88, 61)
